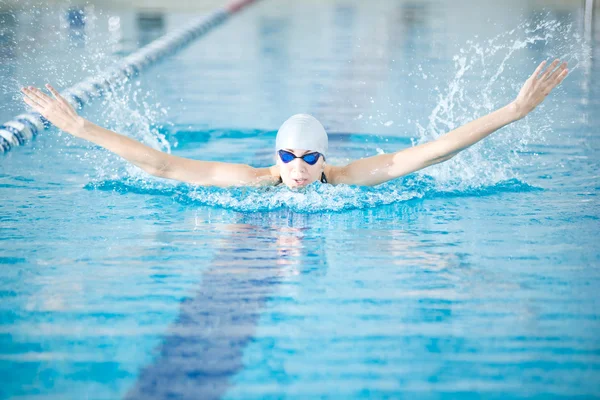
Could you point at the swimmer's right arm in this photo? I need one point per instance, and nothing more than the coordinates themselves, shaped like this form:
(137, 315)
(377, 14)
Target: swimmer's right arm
(206, 173)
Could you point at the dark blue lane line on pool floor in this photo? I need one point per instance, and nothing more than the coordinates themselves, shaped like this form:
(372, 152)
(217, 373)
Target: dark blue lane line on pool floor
(205, 344)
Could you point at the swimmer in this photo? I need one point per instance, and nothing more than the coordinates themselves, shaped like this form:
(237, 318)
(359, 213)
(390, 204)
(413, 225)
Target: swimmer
(301, 146)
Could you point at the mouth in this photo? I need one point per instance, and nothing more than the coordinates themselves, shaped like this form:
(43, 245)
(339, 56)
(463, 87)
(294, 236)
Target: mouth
(300, 182)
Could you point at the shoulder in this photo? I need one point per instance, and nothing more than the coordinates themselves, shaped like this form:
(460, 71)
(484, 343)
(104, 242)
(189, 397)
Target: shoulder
(267, 176)
(333, 173)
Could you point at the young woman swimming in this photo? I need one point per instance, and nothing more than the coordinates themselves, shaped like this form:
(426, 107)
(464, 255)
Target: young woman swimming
(301, 144)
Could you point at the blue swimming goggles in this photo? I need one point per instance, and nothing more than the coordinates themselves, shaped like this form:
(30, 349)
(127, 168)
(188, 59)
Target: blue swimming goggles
(310, 158)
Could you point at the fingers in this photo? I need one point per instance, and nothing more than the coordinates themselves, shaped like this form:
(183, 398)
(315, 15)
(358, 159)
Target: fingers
(45, 104)
(549, 70)
(30, 102)
(31, 97)
(35, 94)
(55, 93)
(57, 119)
(554, 77)
(63, 102)
(557, 72)
(539, 69)
(559, 78)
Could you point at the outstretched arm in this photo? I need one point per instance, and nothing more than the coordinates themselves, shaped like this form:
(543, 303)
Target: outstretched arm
(58, 111)
(384, 167)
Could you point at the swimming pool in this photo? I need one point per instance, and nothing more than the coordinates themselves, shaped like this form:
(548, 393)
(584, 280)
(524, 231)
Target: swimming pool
(475, 278)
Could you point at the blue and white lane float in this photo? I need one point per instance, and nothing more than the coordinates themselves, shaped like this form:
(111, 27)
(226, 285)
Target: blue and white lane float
(25, 127)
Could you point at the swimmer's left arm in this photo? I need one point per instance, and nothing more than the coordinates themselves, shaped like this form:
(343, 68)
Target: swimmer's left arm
(384, 167)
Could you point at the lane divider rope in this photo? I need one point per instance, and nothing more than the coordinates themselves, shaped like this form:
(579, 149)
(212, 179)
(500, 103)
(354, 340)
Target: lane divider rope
(25, 127)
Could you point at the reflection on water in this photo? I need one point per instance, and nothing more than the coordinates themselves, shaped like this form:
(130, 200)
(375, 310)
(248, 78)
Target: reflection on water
(150, 26)
(76, 21)
(8, 44)
(8, 49)
(203, 348)
(76, 18)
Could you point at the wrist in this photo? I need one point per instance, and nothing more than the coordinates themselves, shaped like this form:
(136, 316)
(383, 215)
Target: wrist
(79, 126)
(516, 110)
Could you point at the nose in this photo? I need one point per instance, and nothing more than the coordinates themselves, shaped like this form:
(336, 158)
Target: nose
(299, 165)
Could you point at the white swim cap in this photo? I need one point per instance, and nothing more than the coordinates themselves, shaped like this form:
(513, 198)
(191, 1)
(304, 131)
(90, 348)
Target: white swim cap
(302, 131)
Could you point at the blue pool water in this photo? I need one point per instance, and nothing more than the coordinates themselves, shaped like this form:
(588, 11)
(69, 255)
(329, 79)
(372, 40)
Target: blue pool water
(475, 278)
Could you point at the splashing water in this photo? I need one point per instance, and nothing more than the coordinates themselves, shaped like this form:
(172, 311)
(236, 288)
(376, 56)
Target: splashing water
(496, 158)
(486, 168)
(62, 52)
(128, 108)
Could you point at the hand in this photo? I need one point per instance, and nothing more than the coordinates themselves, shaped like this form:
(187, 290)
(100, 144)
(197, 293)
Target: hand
(537, 87)
(56, 110)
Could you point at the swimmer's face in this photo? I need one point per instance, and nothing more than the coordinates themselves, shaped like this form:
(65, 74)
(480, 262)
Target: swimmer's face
(298, 173)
